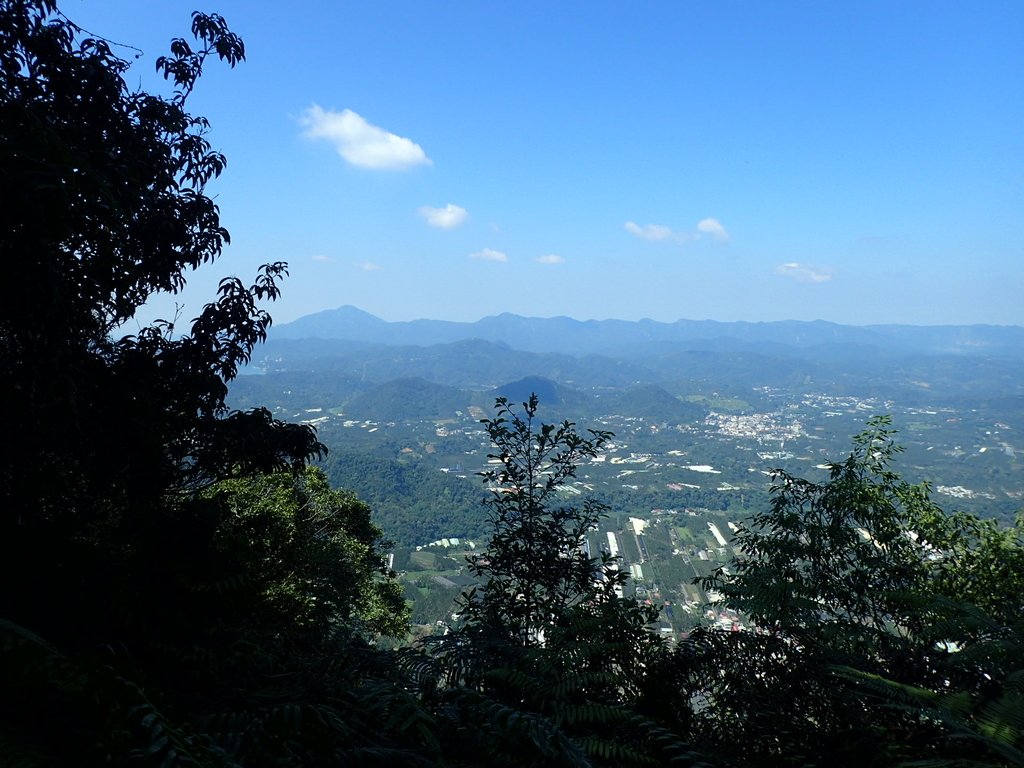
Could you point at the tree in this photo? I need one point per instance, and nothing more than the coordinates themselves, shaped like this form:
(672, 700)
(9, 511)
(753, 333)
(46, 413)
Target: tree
(536, 566)
(144, 527)
(836, 556)
(550, 659)
(882, 635)
(312, 554)
(111, 208)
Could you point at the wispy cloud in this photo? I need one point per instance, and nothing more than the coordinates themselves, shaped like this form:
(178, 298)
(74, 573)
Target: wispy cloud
(651, 231)
(361, 143)
(489, 254)
(550, 258)
(449, 217)
(321, 258)
(661, 233)
(368, 266)
(714, 228)
(804, 273)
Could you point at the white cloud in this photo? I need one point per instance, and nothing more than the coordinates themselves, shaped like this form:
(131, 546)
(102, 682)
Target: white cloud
(321, 257)
(650, 231)
(804, 273)
(361, 143)
(489, 254)
(368, 266)
(551, 258)
(449, 217)
(714, 228)
(659, 232)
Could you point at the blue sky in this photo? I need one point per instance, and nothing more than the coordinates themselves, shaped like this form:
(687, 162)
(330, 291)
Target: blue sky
(854, 162)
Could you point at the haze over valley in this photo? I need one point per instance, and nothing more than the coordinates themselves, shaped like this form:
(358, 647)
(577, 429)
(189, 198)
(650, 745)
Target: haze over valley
(702, 413)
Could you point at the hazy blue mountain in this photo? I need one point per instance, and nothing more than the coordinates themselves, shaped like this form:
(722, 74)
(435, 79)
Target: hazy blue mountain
(470, 364)
(557, 400)
(625, 360)
(312, 349)
(481, 366)
(652, 403)
(293, 391)
(996, 340)
(649, 402)
(345, 322)
(614, 337)
(408, 398)
(519, 391)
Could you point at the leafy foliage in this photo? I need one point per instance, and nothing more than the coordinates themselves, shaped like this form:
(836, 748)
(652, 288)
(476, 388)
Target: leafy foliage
(887, 630)
(550, 659)
(535, 567)
(313, 551)
(837, 556)
(193, 586)
(112, 208)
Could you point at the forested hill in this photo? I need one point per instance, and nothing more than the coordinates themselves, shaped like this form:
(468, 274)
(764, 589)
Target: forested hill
(618, 337)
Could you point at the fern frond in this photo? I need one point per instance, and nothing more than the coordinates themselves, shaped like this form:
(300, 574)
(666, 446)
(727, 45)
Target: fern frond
(613, 752)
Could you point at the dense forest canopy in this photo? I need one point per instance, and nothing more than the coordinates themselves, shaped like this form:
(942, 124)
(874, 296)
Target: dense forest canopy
(180, 587)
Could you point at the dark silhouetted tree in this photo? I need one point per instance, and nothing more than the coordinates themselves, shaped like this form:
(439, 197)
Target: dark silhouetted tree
(173, 589)
(548, 662)
(111, 207)
(882, 633)
(536, 566)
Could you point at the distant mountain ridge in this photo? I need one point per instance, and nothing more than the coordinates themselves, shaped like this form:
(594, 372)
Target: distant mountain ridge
(623, 337)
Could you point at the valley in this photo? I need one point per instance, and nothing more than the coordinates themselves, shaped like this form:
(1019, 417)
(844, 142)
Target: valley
(692, 456)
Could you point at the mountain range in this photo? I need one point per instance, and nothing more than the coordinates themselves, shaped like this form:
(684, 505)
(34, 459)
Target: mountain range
(626, 339)
(349, 352)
